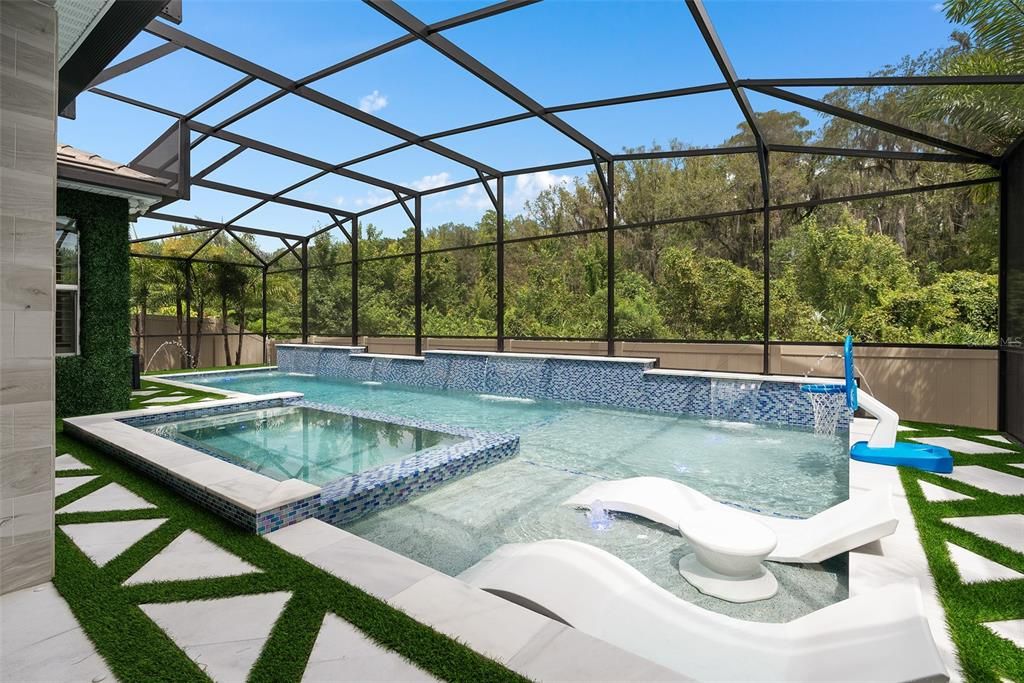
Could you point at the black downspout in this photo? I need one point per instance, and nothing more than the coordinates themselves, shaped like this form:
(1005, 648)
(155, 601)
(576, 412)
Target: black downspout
(305, 291)
(610, 206)
(418, 276)
(500, 238)
(766, 214)
(264, 315)
(355, 281)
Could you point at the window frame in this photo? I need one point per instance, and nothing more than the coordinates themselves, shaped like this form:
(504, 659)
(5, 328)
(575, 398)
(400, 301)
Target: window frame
(69, 225)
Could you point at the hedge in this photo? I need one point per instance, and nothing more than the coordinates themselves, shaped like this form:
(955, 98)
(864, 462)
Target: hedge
(98, 380)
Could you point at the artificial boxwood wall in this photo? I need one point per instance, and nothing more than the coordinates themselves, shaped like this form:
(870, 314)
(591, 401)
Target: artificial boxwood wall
(98, 380)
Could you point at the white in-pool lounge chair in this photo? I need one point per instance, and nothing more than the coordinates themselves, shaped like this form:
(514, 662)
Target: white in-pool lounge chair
(843, 527)
(879, 636)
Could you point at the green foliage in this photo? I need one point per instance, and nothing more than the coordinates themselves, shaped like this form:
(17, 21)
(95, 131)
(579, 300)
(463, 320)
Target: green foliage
(913, 268)
(98, 380)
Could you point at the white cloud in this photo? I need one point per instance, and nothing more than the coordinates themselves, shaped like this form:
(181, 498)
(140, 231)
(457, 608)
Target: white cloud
(429, 182)
(373, 102)
(528, 186)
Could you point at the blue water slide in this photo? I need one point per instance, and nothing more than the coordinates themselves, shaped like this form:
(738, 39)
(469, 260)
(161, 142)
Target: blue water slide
(882, 448)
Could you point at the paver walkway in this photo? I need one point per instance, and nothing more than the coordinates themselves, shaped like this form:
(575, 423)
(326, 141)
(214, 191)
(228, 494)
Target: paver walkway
(973, 518)
(218, 606)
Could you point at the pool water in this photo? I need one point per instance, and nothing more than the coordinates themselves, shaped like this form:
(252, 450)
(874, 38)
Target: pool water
(298, 442)
(565, 447)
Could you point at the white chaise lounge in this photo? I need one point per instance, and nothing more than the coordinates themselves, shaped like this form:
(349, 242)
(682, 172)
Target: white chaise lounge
(843, 527)
(880, 636)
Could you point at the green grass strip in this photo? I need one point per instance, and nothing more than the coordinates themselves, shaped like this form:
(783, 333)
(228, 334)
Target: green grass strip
(186, 395)
(138, 650)
(984, 656)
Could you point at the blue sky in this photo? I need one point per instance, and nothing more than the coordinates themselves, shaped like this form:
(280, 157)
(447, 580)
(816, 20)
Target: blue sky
(558, 51)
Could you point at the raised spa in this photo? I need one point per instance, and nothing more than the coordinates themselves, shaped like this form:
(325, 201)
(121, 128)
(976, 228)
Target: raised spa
(301, 442)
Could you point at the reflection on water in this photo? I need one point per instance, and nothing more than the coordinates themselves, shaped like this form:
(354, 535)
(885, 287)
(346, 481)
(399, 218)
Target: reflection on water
(296, 442)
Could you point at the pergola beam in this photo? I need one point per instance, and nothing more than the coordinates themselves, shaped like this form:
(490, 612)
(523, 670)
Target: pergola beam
(256, 194)
(871, 122)
(714, 43)
(289, 155)
(881, 81)
(229, 59)
(133, 63)
(218, 163)
(410, 23)
(183, 220)
(257, 145)
(875, 154)
(168, 235)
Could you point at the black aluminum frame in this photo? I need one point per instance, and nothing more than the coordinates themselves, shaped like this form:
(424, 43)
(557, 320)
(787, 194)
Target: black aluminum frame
(600, 159)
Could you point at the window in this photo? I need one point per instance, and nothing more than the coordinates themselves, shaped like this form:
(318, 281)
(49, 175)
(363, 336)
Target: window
(66, 333)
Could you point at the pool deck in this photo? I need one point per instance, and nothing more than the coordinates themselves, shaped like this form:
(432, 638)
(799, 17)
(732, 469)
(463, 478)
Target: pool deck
(898, 558)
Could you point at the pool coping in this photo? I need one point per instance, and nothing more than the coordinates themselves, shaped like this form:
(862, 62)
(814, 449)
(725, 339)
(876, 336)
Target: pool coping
(746, 376)
(525, 641)
(250, 491)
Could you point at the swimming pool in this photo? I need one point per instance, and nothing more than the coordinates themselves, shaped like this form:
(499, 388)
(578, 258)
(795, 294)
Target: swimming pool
(566, 446)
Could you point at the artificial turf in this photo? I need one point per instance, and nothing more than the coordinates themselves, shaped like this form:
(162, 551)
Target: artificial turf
(136, 649)
(185, 395)
(984, 656)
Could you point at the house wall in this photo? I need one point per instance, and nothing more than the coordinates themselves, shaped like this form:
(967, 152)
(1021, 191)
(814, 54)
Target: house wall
(98, 379)
(28, 171)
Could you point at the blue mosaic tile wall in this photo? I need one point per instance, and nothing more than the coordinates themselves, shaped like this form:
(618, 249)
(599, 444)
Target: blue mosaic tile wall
(617, 384)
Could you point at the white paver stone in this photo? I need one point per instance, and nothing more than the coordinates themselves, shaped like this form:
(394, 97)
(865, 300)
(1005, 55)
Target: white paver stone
(111, 497)
(974, 568)
(999, 438)
(190, 556)
(1006, 530)
(164, 399)
(1012, 630)
(62, 485)
(43, 642)
(341, 654)
(955, 443)
(224, 636)
(988, 479)
(66, 462)
(103, 541)
(934, 493)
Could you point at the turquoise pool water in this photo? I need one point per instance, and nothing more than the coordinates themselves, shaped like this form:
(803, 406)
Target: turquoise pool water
(301, 442)
(564, 447)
